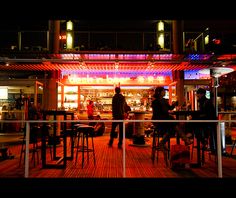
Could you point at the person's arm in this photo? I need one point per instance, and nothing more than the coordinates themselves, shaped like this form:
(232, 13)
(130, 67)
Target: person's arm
(172, 106)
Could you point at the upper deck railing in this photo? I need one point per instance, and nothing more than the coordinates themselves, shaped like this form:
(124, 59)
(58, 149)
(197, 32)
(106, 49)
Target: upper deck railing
(28, 41)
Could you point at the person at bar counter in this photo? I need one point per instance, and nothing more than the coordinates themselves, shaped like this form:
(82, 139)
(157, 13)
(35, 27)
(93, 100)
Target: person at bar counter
(99, 127)
(33, 111)
(118, 113)
(90, 110)
(207, 111)
(160, 108)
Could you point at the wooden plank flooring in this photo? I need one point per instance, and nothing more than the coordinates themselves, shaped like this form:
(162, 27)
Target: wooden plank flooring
(109, 164)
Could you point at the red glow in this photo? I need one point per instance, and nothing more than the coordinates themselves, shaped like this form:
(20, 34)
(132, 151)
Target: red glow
(216, 41)
(62, 37)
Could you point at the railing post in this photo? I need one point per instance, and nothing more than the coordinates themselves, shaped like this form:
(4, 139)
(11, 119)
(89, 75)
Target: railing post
(124, 173)
(19, 41)
(219, 155)
(27, 137)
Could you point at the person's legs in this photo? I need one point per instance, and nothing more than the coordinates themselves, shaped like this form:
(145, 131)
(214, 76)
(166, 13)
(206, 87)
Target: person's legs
(163, 129)
(113, 133)
(120, 134)
(213, 140)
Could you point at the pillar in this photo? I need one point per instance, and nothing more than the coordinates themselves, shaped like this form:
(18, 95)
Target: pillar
(177, 48)
(50, 93)
(178, 76)
(54, 34)
(51, 78)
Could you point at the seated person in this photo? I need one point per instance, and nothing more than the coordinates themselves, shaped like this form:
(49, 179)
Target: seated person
(99, 127)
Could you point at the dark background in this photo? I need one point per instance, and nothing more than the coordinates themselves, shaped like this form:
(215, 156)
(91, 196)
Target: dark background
(223, 25)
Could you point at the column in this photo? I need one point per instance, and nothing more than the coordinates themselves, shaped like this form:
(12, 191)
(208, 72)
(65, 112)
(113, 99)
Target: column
(177, 48)
(50, 92)
(54, 33)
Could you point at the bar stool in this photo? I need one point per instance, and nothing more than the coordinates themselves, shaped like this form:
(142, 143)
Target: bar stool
(204, 142)
(157, 136)
(34, 148)
(85, 132)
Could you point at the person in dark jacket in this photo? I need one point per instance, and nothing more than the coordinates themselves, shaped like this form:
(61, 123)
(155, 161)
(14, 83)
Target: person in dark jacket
(160, 108)
(207, 111)
(118, 113)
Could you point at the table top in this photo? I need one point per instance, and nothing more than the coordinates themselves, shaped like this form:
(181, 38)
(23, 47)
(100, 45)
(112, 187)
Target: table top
(139, 112)
(85, 126)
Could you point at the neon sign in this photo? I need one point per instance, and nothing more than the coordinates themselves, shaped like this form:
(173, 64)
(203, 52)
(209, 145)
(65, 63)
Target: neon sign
(74, 79)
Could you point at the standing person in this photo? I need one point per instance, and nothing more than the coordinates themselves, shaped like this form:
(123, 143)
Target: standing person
(118, 113)
(33, 114)
(90, 110)
(207, 111)
(161, 107)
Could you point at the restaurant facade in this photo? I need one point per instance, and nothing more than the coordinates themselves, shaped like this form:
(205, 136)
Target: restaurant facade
(69, 79)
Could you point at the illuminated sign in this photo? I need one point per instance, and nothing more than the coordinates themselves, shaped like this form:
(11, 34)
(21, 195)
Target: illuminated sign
(159, 80)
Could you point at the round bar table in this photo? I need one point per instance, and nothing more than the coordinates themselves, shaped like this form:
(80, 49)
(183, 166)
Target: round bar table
(138, 133)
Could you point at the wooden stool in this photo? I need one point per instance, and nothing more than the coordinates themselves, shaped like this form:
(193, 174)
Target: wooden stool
(85, 132)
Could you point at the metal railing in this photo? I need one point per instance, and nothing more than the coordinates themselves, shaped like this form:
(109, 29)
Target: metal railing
(219, 136)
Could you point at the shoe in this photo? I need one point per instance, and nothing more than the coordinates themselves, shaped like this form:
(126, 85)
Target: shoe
(120, 146)
(110, 143)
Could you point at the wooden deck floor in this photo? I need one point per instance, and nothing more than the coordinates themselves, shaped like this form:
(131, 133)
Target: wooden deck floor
(109, 164)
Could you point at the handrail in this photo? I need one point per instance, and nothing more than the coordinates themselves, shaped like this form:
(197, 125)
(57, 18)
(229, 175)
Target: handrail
(104, 121)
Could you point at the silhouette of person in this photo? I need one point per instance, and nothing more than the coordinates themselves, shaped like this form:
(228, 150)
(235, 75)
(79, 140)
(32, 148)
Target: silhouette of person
(118, 113)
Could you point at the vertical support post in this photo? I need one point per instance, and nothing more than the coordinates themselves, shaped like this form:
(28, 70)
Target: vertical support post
(19, 41)
(219, 156)
(27, 137)
(124, 173)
